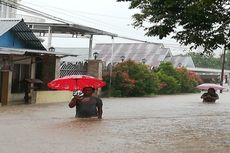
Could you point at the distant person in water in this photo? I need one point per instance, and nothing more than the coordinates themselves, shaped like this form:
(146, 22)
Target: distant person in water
(86, 104)
(210, 96)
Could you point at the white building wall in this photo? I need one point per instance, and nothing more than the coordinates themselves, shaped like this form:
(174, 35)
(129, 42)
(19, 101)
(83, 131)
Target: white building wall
(6, 11)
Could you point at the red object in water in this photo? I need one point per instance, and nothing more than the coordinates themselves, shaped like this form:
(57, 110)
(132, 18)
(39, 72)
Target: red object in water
(206, 86)
(76, 82)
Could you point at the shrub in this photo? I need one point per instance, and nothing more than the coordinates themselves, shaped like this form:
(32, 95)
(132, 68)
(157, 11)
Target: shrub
(176, 80)
(168, 84)
(188, 80)
(131, 79)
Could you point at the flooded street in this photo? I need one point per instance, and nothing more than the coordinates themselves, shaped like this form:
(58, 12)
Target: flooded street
(161, 124)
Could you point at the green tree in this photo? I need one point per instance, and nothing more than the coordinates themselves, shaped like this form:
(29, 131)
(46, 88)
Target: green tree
(168, 69)
(206, 61)
(203, 23)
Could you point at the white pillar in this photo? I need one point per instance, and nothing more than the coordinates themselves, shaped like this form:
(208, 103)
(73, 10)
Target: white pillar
(49, 38)
(111, 69)
(90, 47)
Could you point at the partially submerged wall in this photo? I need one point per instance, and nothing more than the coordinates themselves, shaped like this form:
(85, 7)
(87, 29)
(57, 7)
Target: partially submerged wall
(56, 96)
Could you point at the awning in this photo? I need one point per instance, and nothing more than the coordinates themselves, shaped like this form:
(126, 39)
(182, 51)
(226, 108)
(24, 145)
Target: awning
(73, 29)
(16, 51)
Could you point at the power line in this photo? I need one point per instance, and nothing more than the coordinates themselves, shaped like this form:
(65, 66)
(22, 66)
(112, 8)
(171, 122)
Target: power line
(93, 14)
(27, 9)
(127, 38)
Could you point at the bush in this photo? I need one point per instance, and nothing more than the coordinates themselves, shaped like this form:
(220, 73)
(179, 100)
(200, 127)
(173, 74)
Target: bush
(131, 79)
(168, 84)
(188, 80)
(176, 80)
(135, 79)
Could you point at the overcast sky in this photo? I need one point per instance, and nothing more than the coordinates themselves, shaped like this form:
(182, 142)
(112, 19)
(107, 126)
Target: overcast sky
(107, 15)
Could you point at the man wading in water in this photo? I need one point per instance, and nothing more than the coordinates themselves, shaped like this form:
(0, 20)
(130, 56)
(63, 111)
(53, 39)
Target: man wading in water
(87, 105)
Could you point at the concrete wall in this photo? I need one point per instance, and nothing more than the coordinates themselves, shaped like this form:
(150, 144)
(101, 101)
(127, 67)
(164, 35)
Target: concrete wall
(16, 97)
(51, 96)
(95, 68)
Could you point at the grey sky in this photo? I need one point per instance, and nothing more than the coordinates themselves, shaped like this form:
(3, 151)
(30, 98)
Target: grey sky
(107, 15)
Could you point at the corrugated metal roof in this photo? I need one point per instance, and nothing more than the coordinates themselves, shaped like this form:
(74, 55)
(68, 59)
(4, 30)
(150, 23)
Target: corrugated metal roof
(199, 69)
(83, 53)
(22, 31)
(183, 60)
(153, 53)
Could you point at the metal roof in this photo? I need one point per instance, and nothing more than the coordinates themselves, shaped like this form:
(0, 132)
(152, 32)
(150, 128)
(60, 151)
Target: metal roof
(16, 51)
(153, 53)
(199, 69)
(83, 53)
(73, 29)
(22, 31)
(183, 60)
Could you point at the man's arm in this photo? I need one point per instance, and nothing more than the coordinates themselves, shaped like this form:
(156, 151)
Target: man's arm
(204, 95)
(99, 108)
(72, 103)
(215, 97)
(99, 112)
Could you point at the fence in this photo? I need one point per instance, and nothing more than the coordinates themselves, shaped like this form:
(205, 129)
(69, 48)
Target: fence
(79, 68)
(68, 68)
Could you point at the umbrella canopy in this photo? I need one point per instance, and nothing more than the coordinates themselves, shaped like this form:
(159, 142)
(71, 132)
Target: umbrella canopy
(76, 82)
(206, 86)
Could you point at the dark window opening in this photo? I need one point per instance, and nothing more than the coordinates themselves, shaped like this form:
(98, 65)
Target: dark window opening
(20, 73)
(38, 73)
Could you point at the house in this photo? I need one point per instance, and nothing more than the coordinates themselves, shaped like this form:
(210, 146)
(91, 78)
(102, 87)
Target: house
(23, 57)
(149, 53)
(26, 66)
(183, 61)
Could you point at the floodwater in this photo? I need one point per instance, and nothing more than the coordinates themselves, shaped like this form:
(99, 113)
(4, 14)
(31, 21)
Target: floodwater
(161, 124)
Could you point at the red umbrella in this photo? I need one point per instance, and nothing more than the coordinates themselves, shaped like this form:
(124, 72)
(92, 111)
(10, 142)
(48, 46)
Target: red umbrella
(76, 82)
(206, 86)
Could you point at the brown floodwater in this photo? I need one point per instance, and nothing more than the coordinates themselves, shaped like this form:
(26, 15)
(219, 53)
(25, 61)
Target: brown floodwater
(161, 124)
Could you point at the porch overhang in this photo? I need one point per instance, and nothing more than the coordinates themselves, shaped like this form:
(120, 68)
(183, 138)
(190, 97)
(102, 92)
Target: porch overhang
(29, 52)
(73, 29)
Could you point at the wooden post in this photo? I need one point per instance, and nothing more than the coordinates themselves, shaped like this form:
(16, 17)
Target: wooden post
(5, 88)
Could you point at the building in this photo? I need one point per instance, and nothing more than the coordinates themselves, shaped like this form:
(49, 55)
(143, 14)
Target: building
(151, 54)
(23, 57)
(83, 54)
(6, 11)
(183, 61)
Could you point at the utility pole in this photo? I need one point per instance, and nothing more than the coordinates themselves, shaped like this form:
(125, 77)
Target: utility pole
(111, 68)
(222, 69)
